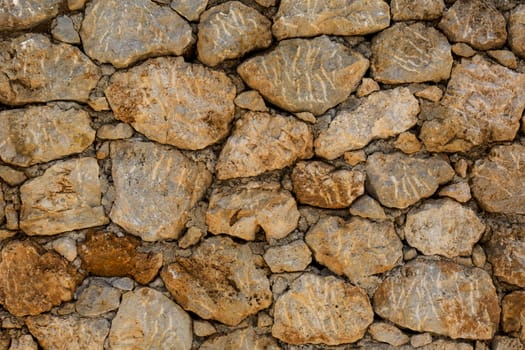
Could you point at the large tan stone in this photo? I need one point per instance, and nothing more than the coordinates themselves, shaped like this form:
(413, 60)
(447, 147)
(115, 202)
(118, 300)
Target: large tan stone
(517, 30)
(24, 14)
(505, 251)
(245, 338)
(407, 10)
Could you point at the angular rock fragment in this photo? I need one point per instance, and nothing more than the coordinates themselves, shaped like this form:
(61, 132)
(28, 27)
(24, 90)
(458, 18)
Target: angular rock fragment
(189, 9)
(24, 14)
(241, 339)
(97, 299)
(302, 75)
(517, 30)
(505, 251)
(407, 10)
(407, 143)
(506, 343)
(114, 131)
(368, 208)
(64, 30)
(24, 342)
(190, 107)
(513, 314)
(459, 191)
(288, 258)
(387, 333)
(504, 57)
(11, 176)
(251, 100)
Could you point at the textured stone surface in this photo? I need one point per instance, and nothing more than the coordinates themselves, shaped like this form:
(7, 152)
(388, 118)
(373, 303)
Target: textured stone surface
(504, 57)
(24, 342)
(387, 333)
(410, 53)
(517, 30)
(97, 299)
(251, 100)
(146, 174)
(288, 258)
(380, 115)
(11, 176)
(302, 18)
(147, 319)
(322, 185)
(321, 310)
(190, 107)
(114, 131)
(24, 14)
(441, 297)
(431, 93)
(406, 10)
(189, 9)
(241, 211)
(399, 181)
(301, 75)
(221, 281)
(513, 313)
(262, 142)
(505, 251)
(66, 197)
(506, 343)
(245, 338)
(407, 143)
(105, 40)
(367, 207)
(63, 30)
(459, 191)
(357, 248)
(463, 50)
(33, 69)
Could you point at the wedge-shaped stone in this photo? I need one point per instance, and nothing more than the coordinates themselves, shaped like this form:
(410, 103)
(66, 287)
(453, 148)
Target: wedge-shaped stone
(441, 297)
(24, 14)
(156, 186)
(173, 102)
(517, 30)
(406, 10)
(505, 251)
(305, 75)
(241, 339)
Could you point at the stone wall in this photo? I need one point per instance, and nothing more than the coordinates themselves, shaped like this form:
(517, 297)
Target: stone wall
(263, 174)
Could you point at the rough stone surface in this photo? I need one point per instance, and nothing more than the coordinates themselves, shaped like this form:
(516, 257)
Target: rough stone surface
(406, 10)
(399, 181)
(97, 299)
(251, 100)
(262, 142)
(410, 53)
(366, 87)
(505, 251)
(24, 14)
(64, 30)
(407, 143)
(292, 257)
(380, 115)
(300, 75)
(463, 50)
(459, 191)
(241, 211)
(241, 339)
(506, 343)
(24, 342)
(441, 297)
(517, 30)
(419, 340)
(504, 57)
(321, 310)
(387, 333)
(66, 247)
(322, 185)
(431, 93)
(11, 176)
(220, 281)
(203, 328)
(114, 131)
(367, 207)
(513, 314)
(190, 107)
(189, 9)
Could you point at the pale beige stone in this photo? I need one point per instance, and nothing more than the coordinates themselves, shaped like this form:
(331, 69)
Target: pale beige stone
(406, 10)
(366, 87)
(99, 103)
(65, 246)
(97, 299)
(11, 176)
(463, 50)
(505, 251)
(461, 167)
(517, 30)
(368, 208)
(407, 143)
(11, 217)
(189, 9)
(354, 157)
(114, 131)
(251, 100)
(431, 93)
(24, 342)
(292, 257)
(203, 328)
(387, 333)
(245, 338)
(479, 258)
(24, 14)
(409, 254)
(306, 117)
(459, 191)
(419, 340)
(266, 3)
(2, 206)
(504, 57)
(192, 236)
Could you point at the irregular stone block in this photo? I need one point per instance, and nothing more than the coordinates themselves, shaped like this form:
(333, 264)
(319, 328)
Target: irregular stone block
(387, 333)
(24, 14)
(505, 251)
(517, 30)
(251, 100)
(295, 256)
(97, 299)
(368, 208)
(513, 313)
(64, 30)
(189, 9)
(11, 176)
(408, 10)
(241, 339)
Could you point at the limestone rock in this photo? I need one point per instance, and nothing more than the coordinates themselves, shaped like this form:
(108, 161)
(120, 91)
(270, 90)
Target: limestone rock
(357, 248)
(407, 10)
(366, 87)
(381, 115)
(323, 310)
(33, 280)
(431, 93)
(189, 9)
(97, 299)
(190, 107)
(24, 14)
(463, 50)
(220, 281)
(251, 100)
(11, 176)
(407, 143)
(517, 30)
(230, 30)
(475, 22)
(321, 185)
(504, 57)
(302, 18)
(76, 4)
(2, 206)
(146, 174)
(505, 251)
(459, 191)
(262, 142)
(241, 339)
(241, 211)
(398, 180)
(63, 30)
(368, 208)
(147, 319)
(295, 256)
(441, 297)
(513, 313)
(65, 198)
(410, 53)
(43, 133)
(161, 31)
(203, 328)
(114, 131)
(66, 247)
(24, 342)
(354, 157)
(33, 69)
(506, 343)
(420, 340)
(483, 103)
(301, 75)
(443, 227)
(387, 333)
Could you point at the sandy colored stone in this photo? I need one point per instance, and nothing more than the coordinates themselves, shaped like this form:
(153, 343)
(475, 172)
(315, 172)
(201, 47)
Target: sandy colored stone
(190, 108)
(245, 338)
(513, 314)
(366, 87)
(203, 328)
(266, 3)
(105, 39)
(368, 208)
(11, 176)
(387, 333)
(410, 53)
(303, 18)
(97, 299)
(251, 100)
(517, 30)
(65, 246)
(189, 9)
(76, 4)
(479, 258)
(475, 22)
(321, 310)
(241, 211)
(306, 117)
(398, 180)
(98, 103)
(295, 256)
(147, 319)
(301, 75)
(33, 69)
(459, 191)
(407, 10)
(42, 133)
(380, 115)
(262, 142)
(63, 30)
(420, 340)
(506, 343)
(407, 143)
(24, 14)
(463, 50)
(441, 297)
(114, 131)
(354, 157)
(431, 93)
(11, 216)
(24, 342)
(192, 236)
(220, 281)
(322, 185)
(505, 251)
(504, 57)
(65, 198)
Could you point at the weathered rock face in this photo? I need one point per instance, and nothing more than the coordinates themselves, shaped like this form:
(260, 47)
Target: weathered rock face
(33, 69)
(517, 30)
(288, 258)
(241, 211)
(399, 181)
(483, 103)
(24, 14)
(262, 142)
(321, 310)
(241, 339)
(33, 280)
(357, 248)
(66, 197)
(321, 185)
(497, 181)
(505, 251)
(220, 281)
(146, 174)
(387, 333)
(147, 319)
(190, 107)
(513, 314)
(341, 17)
(381, 115)
(189, 9)
(406, 10)
(230, 30)
(105, 41)
(97, 299)
(300, 75)
(410, 54)
(441, 297)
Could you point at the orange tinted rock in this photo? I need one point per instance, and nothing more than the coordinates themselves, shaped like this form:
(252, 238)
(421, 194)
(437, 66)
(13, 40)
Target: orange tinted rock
(513, 313)
(505, 251)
